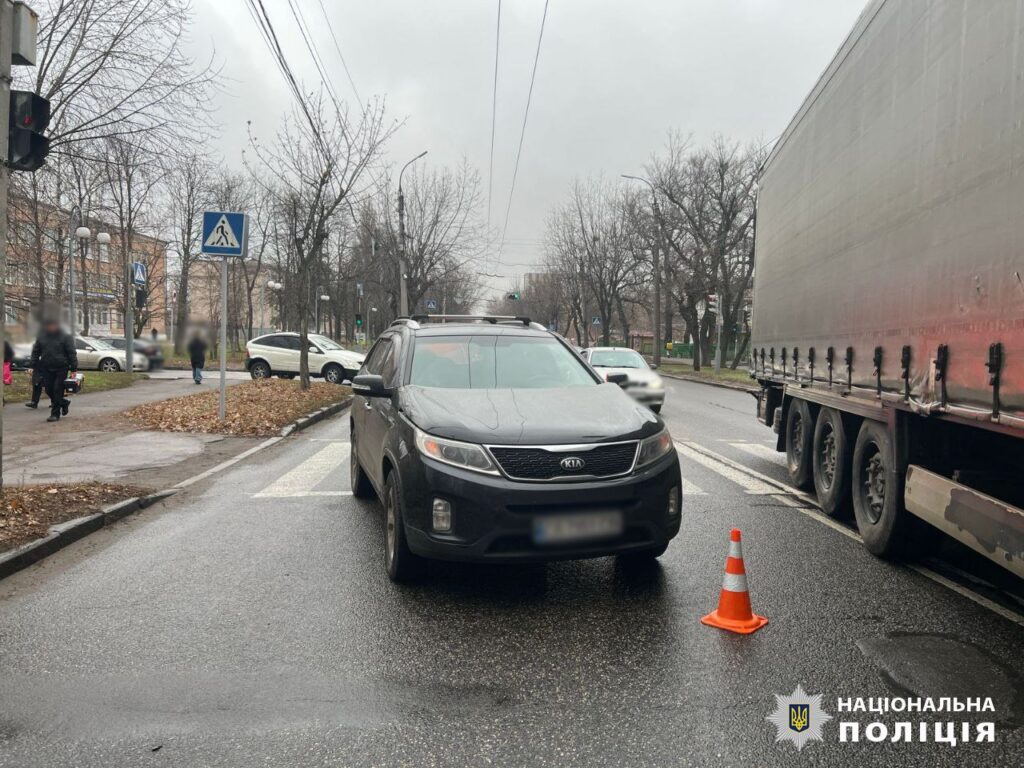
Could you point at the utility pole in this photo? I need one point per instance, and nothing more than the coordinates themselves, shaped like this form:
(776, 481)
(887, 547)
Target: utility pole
(656, 266)
(403, 292)
(222, 401)
(73, 223)
(129, 316)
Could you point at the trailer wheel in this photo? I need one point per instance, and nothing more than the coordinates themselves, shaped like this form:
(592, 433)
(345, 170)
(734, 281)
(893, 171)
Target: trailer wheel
(877, 492)
(799, 438)
(832, 463)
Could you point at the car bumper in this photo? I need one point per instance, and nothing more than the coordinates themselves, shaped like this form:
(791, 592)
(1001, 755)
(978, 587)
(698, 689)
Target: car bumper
(647, 396)
(493, 517)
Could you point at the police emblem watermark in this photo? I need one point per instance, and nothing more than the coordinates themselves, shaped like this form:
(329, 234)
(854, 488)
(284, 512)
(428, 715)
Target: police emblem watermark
(798, 718)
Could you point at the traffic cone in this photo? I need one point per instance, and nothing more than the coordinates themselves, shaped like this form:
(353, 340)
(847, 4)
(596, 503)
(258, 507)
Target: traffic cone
(734, 613)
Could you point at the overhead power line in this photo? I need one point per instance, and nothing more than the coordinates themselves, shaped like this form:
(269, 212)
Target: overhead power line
(314, 53)
(522, 133)
(337, 47)
(494, 114)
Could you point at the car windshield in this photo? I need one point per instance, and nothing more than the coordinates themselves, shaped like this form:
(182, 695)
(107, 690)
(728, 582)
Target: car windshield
(324, 343)
(97, 343)
(496, 362)
(616, 358)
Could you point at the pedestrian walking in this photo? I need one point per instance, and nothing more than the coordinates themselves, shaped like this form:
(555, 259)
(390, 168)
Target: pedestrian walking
(154, 334)
(53, 357)
(8, 359)
(197, 355)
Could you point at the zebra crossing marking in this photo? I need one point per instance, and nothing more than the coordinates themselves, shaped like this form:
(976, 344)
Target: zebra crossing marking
(301, 480)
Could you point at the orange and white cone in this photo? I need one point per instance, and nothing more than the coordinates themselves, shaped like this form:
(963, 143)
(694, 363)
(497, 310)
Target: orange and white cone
(734, 613)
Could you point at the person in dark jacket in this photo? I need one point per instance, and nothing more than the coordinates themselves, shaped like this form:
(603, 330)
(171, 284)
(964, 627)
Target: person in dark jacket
(53, 356)
(197, 355)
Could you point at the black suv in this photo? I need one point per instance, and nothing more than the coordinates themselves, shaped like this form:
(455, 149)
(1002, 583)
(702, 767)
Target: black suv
(490, 439)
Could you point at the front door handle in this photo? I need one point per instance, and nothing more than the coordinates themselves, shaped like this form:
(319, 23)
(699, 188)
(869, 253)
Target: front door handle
(367, 406)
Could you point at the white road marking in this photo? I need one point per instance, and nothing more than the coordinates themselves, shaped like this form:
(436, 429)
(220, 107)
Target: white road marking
(230, 462)
(301, 480)
(689, 489)
(762, 452)
(799, 501)
(742, 478)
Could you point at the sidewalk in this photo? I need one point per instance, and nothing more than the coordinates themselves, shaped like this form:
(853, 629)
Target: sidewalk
(94, 443)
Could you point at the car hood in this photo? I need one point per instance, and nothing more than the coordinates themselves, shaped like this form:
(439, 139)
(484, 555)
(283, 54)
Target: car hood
(528, 416)
(349, 359)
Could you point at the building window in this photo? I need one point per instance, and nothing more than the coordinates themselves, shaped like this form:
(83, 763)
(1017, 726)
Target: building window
(11, 316)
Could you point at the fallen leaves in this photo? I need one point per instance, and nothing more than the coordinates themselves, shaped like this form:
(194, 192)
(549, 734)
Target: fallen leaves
(28, 511)
(253, 409)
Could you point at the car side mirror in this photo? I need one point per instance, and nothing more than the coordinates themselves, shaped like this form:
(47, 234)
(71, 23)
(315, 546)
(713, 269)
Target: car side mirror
(370, 385)
(654, 367)
(617, 378)
(89, 349)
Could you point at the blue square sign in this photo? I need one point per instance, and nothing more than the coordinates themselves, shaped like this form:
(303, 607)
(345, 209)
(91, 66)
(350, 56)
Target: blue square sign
(224, 233)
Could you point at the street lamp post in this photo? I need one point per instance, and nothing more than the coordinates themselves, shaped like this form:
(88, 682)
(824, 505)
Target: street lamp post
(276, 287)
(656, 263)
(403, 294)
(320, 296)
(82, 235)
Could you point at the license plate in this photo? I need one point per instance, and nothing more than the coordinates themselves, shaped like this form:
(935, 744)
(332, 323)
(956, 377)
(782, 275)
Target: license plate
(561, 529)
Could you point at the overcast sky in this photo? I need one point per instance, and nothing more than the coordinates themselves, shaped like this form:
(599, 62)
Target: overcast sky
(614, 77)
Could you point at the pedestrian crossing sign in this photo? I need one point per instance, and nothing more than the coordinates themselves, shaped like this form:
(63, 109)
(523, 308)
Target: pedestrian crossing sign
(139, 274)
(224, 233)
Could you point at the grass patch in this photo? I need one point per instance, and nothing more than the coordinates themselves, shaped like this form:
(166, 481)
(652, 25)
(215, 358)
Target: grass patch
(28, 511)
(737, 376)
(254, 408)
(95, 381)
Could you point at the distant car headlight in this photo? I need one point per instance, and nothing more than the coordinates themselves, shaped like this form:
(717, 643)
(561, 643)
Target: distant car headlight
(456, 453)
(653, 448)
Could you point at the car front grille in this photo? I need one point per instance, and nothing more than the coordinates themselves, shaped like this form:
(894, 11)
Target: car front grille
(546, 463)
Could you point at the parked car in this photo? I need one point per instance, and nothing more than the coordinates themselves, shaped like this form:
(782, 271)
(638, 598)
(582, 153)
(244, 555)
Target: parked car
(97, 354)
(153, 352)
(22, 356)
(494, 441)
(642, 382)
(277, 354)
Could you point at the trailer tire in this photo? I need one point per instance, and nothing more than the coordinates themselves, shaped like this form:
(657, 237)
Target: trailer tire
(799, 439)
(832, 464)
(878, 492)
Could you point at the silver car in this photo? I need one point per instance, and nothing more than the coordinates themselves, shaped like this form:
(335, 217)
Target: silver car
(642, 382)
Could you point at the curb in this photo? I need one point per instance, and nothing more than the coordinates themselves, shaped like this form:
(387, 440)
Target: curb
(711, 382)
(312, 418)
(68, 532)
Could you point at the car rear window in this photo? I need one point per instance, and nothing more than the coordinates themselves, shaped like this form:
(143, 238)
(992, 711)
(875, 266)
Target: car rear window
(616, 358)
(495, 362)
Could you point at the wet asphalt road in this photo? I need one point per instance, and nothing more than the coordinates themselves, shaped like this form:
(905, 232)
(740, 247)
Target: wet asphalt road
(249, 622)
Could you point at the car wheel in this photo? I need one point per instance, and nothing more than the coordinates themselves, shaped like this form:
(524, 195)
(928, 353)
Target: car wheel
(877, 492)
(361, 487)
(259, 370)
(832, 464)
(402, 564)
(334, 374)
(109, 364)
(799, 438)
(656, 408)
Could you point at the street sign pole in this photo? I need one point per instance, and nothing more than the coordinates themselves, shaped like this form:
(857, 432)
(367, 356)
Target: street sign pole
(222, 406)
(718, 345)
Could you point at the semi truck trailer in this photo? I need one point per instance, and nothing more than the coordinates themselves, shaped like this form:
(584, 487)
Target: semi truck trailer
(888, 298)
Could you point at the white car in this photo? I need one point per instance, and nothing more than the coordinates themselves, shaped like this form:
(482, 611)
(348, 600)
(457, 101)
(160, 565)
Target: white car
(277, 354)
(96, 354)
(642, 382)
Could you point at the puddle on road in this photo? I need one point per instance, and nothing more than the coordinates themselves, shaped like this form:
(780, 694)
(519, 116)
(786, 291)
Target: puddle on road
(940, 665)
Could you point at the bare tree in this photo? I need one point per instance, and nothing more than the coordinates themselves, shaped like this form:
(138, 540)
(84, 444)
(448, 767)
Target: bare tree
(318, 161)
(187, 192)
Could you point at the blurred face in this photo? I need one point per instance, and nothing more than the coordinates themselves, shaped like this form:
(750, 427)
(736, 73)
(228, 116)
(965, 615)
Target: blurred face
(51, 326)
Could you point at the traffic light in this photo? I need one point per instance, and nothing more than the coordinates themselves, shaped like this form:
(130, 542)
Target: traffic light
(359, 321)
(713, 303)
(27, 147)
(140, 297)
(514, 296)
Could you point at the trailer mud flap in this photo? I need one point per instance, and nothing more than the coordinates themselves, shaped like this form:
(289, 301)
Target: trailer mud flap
(988, 526)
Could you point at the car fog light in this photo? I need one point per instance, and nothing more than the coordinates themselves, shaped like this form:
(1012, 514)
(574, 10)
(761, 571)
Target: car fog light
(442, 516)
(673, 501)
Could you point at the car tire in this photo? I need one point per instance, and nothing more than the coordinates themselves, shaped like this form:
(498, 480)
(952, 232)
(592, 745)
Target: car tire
(334, 374)
(259, 370)
(877, 499)
(361, 486)
(402, 565)
(799, 439)
(109, 365)
(832, 464)
(656, 408)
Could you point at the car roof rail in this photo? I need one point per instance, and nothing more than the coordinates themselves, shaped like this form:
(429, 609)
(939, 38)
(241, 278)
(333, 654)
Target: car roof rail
(492, 319)
(409, 322)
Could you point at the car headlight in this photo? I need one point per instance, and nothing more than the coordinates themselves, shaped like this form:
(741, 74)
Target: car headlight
(456, 453)
(656, 384)
(653, 448)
